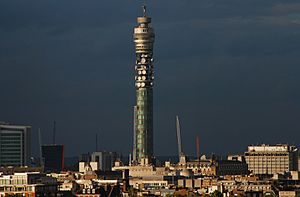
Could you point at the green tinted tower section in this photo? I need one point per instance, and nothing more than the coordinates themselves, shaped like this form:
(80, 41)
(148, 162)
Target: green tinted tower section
(143, 110)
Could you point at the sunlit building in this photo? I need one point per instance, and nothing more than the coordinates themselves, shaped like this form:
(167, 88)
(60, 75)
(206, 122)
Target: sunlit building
(104, 160)
(144, 76)
(266, 159)
(27, 184)
(15, 145)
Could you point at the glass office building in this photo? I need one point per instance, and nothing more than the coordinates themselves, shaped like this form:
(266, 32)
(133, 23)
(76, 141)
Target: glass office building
(14, 145)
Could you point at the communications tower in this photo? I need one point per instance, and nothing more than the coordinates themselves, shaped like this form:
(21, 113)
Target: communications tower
(144, 76)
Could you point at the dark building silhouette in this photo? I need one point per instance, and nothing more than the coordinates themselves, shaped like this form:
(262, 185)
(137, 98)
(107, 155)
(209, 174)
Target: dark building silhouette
(53, 157)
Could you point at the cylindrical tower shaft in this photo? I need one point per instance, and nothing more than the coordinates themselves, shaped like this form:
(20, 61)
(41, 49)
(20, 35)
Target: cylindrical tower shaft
(143, 139)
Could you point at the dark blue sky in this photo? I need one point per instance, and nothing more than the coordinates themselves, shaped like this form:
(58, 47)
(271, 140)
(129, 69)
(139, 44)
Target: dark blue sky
(229, 68)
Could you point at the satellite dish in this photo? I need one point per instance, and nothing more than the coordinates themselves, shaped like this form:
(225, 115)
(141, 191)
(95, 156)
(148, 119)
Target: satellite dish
(143, 60)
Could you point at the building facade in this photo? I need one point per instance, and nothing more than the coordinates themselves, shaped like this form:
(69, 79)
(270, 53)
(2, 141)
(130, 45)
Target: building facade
(231, 167)
(53, 157)
(83, 165)
(144, 76)
(105, 160)
(270, 160)
(217, 168)
(15, 149)
(27, 184)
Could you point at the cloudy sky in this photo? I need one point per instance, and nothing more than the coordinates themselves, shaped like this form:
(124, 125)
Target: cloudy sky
(230, 69)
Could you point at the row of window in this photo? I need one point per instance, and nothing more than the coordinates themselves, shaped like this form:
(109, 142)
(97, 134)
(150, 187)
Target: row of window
(265, 154)
(10, 138)
(140, 112)
(17, 142)
(140, 93)
(140, 103)
(141, 126)
(267, 158)
(269, 161)
(139, 142)
(10, 158)
(140, 136)
(9, 145)
(11, 153)
(10, 150)
(9, 134)
(140, 116)
(13, 182)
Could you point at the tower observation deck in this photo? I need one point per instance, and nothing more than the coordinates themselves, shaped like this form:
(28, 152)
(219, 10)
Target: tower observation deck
(143, 110)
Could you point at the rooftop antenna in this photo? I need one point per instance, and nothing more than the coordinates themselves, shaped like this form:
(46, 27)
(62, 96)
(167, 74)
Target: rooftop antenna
(144, 10)
(54, 131)
(180, 152)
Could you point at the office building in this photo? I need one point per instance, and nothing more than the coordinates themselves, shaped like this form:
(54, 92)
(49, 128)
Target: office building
(265, 159)
(15, 145)
(104, 159)
(144, 75)
(53, 157)
(85, 157)
(27, 184)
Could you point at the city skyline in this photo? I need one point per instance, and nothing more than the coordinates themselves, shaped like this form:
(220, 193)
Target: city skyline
(229, 71)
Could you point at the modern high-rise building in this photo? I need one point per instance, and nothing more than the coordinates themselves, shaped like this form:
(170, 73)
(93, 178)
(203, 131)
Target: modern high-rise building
(267, 159)
(53, 157)
(15, 147)
(144, 76)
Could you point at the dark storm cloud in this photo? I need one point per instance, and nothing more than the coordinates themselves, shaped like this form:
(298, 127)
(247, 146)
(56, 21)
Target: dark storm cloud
(228, 68)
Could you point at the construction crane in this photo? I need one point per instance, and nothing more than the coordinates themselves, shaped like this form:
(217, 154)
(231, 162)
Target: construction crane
(178, 132)
(198, 147)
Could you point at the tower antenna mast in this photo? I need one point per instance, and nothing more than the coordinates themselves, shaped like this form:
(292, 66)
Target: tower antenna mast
(144, 10)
